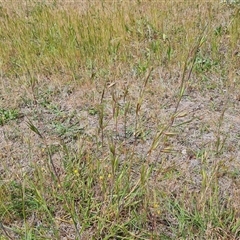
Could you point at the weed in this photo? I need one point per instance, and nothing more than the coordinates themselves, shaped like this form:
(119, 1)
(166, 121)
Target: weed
(7, 115)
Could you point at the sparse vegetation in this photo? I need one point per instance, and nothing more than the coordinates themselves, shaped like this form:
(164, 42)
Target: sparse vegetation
(7, 115)
(119, 120)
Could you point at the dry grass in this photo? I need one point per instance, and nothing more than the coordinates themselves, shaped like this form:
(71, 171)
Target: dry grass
(119, 120)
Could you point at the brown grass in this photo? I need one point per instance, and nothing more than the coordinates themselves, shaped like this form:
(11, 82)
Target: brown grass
(119, 120)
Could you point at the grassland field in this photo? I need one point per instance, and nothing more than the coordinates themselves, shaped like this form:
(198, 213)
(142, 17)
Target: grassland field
(119, 120)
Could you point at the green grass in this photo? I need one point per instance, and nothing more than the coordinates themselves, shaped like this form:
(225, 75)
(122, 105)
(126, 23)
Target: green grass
(119, 120)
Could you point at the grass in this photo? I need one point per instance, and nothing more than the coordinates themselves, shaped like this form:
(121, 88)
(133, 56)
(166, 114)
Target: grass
(119, 120)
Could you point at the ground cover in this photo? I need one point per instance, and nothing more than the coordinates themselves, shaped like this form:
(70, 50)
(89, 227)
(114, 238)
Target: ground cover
(119, 120)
